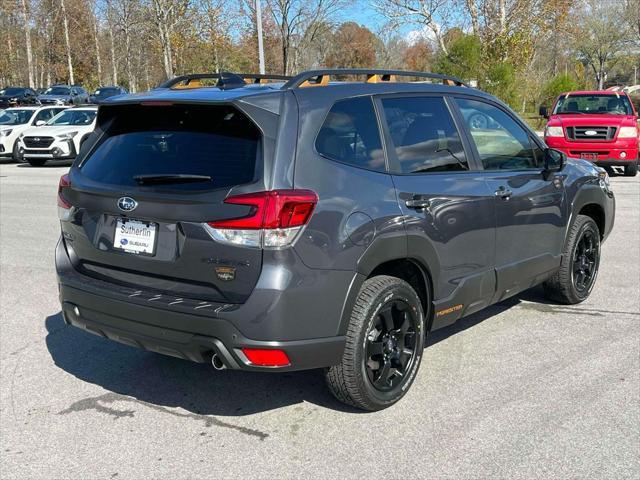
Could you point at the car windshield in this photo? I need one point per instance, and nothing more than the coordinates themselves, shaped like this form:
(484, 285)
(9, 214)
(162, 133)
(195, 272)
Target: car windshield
(593, 103)
(103, 92)
(57, 91)
(15, 117)
(12, 91)
(73, 117)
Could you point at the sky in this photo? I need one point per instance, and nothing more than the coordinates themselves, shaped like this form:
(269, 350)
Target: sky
(364, 13)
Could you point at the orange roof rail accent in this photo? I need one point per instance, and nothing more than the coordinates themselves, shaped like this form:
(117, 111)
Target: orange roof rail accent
(224, 80)
(318, 81)
(315, 78)
(187, 84)
(377, 78)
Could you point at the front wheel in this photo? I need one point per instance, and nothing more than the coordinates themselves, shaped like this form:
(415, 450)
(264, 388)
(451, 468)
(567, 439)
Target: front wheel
(575, 278)
(384, 345)
(16, 152)
(631, 170)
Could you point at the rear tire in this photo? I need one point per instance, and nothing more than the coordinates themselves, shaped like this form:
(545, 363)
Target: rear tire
(385, 339)
(575, 278)
(36, 162)
(631, 170)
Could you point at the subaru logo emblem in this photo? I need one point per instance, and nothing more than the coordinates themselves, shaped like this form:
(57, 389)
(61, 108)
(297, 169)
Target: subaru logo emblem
(127, 204)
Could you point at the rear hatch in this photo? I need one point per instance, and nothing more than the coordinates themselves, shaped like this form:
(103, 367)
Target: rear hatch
(141, 196)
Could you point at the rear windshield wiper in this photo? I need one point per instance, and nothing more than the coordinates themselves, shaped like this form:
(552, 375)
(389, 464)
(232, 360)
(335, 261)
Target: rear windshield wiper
(160, 178)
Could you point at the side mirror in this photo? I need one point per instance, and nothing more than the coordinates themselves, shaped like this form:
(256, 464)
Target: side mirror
(40, 123)
(554, 161)
(543, 111)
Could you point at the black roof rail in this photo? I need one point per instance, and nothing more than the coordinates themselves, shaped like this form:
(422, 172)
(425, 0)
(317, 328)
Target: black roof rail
(321, 77)
(225, 79)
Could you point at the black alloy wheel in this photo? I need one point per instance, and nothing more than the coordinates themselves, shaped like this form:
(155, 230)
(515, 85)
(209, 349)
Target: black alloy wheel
(384, 344)
(390, 345)
(575, 278)
(585, 261)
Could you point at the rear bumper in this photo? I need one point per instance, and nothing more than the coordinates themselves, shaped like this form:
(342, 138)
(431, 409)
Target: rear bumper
(185, 330)
(191, 338)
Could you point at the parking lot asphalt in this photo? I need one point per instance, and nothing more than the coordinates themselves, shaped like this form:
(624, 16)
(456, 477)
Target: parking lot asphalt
(525, 389)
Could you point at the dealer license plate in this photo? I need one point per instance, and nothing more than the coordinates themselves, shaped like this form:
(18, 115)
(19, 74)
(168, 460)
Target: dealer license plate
(134, 236)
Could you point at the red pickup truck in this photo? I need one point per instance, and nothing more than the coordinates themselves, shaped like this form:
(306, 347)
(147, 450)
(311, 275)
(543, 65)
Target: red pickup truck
(599, 126)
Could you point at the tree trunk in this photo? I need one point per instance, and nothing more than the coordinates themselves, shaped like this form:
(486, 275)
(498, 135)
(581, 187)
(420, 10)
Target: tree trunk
(130, 76)
(165, 40)
(502, 6)
(65, 25)
(112, 48)
(443, 47)
(97, 45)
(163, 13)
(27, 35)
(473, 13)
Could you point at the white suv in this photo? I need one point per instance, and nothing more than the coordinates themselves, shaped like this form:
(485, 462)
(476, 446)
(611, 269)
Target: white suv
(14, 121)
(60, 138)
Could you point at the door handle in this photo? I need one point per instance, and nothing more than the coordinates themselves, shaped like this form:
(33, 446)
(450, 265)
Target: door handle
(417, 203)
(503, 193)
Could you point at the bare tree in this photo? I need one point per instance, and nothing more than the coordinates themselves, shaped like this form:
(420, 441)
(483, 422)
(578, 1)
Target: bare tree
(299, 22)
(27, 35)
(166, 14)
(601, 37)
(434, 15)
(67, 43)
(96, 40)
(127, 18)
(112, 43)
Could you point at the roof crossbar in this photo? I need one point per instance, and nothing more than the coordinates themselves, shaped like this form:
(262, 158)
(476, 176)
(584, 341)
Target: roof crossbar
(225, 80)
(313, 78)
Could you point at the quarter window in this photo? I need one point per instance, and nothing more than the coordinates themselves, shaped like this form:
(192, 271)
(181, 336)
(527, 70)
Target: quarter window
(502, 144)
(350, 134)
(424, 137)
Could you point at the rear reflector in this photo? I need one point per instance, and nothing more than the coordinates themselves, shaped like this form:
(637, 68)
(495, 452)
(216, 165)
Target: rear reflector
(266, 357)
(63, 183)
(63, 205)
(274, 220)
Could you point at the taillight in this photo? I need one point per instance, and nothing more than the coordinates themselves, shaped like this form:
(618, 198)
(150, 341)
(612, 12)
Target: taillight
(266, 357)
(275, 219)
(64, 206)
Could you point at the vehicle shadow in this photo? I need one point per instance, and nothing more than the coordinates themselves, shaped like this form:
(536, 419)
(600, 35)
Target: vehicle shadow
(49, 164)
(162, 381)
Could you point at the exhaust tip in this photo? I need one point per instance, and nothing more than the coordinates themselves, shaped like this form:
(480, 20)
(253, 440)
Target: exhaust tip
(217, 362)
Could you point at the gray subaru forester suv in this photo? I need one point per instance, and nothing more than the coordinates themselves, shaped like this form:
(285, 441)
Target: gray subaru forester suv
(329, 220)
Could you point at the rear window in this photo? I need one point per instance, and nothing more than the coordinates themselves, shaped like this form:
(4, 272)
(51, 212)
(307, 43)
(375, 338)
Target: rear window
(210, 141)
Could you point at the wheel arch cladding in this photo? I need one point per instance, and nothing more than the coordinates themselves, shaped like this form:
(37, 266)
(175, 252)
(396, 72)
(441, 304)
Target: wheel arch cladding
(589, 201)
(416, 275)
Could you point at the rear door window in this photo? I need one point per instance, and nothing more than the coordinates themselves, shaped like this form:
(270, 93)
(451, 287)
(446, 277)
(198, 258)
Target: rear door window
(350, 135)
(423, 134)
(218, 142)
